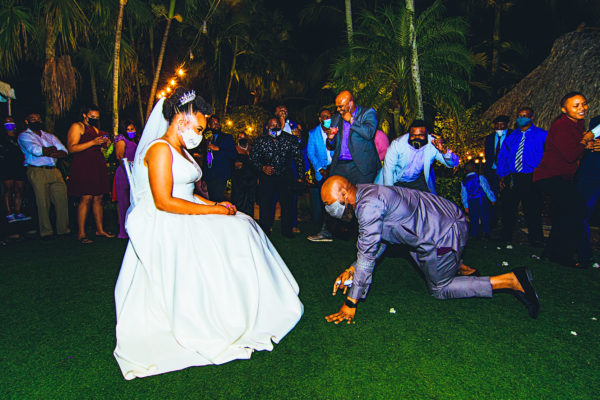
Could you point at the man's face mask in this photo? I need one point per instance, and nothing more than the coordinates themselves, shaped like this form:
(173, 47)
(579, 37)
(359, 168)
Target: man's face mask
(340, 211)
(10, 126)
(501, 132)
(523, 121)
(418, 142)
(275, 132)
(35, 125)
(327, 123)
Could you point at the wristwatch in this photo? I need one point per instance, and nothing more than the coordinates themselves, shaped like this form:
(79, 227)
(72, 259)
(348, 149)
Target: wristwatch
(349, 304)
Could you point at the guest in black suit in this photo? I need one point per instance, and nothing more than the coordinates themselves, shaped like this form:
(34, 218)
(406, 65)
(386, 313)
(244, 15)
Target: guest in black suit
(219, 159)
(493, 144)
(352, 135)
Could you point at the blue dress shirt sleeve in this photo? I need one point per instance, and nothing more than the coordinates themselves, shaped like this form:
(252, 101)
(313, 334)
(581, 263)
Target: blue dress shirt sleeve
(486, 188)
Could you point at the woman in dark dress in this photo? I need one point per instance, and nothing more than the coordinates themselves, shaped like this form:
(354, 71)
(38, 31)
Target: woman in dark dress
(243, 178)
(12, 173)
(89, 178)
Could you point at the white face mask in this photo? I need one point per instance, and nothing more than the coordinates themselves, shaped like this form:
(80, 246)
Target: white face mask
(191, 138)
(336, 209)
(501, 132)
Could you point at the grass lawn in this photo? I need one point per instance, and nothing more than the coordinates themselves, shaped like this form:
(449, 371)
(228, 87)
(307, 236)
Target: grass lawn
(58, 320)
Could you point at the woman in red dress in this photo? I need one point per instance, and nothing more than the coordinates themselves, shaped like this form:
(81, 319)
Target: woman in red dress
(89, 178)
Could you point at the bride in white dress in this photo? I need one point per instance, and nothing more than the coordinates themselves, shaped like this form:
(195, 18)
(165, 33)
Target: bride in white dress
(199, 284)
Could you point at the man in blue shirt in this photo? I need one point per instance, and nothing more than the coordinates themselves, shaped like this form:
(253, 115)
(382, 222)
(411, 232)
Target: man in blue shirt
(320, 158)
(409, 158)
(520, 154)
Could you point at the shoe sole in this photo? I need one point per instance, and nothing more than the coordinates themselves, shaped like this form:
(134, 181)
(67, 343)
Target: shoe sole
(321, 240)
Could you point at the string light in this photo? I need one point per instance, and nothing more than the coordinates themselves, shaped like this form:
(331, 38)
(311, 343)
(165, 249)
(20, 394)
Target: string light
(229, 122)
(180, 72)
(168, 90)
(172, 82)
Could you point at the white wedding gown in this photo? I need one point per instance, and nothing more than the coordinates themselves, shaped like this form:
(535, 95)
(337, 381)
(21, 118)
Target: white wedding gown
(197, 289)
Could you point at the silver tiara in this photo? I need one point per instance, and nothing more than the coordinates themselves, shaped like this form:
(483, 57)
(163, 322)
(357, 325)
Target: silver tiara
(187, 97)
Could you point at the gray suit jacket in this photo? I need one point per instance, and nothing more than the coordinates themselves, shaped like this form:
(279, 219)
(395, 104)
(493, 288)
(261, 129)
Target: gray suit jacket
(361, 142)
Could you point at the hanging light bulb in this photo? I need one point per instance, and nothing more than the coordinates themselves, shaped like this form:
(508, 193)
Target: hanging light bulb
(204, 28)
(180, 71)
(191, 55)
(173, 82)
(168, 90)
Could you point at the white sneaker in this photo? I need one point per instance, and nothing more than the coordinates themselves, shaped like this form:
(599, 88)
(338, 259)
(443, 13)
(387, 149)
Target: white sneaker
(11, 218)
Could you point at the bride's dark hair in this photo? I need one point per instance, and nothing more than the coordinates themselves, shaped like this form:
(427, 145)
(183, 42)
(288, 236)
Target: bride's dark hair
(191, 103)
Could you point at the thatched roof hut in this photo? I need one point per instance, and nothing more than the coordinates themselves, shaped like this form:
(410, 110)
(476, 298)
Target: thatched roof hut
(573, 65)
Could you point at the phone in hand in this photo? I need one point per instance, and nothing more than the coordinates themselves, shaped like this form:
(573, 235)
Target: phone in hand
(596, 131)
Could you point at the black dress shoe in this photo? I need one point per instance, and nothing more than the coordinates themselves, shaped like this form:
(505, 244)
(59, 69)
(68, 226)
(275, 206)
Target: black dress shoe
(529, 298)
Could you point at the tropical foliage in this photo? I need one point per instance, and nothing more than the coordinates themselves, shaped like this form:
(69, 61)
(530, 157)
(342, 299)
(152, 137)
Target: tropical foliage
(378, 69)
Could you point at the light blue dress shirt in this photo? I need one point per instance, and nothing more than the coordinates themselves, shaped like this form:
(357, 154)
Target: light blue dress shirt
(398, 160)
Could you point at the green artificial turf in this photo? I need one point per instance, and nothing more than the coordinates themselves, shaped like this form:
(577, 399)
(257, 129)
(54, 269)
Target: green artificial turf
(58, 319)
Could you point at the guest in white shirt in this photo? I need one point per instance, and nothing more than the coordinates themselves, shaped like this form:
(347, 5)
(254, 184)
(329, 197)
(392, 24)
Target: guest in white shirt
(41, 150)
(409, 159)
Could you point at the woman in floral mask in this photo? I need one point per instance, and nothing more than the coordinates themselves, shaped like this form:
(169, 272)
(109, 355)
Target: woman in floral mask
(125, 147)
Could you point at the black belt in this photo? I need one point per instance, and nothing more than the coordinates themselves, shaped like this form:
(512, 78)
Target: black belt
(42, 166)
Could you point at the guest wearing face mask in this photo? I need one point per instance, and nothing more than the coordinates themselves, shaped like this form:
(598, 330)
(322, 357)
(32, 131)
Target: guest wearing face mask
(493, 144)
(272, 155)
(42, 150)
(12, 173)
(409, 158)
(320, 158)
(243, 177)
(431, 227)
(125, 147)
(220, 154)
(519, 156)
(89, 174)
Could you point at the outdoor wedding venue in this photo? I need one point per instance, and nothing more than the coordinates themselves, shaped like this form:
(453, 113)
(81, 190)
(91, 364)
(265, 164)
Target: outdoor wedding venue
(314, 199)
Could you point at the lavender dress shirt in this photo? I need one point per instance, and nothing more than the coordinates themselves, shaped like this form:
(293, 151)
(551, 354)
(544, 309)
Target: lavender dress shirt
(434, 228)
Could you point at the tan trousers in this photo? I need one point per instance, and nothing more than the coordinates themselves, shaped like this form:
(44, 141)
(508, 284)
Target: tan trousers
(49, 186)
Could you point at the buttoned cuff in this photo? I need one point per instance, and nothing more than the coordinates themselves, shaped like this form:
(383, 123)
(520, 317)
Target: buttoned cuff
(361, 282)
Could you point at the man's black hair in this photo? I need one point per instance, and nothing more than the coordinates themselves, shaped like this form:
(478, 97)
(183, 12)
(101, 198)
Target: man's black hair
(501, 118)
(418, 123)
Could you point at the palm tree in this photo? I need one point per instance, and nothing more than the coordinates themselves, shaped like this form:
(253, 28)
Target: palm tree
(118, 30)
(64, 23)
(349, 28)
(169, 16)
(414, 59)
(380, 70)
(16, 30)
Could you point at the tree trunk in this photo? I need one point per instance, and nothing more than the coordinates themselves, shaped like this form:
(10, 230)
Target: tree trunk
(161, 55)
(50, 58)
(349, 29)
(414, 60)
(496, 40)
(397, 126)
(139, 96)
(231, 74)
(152, 62)
(93, 85)
(116, 63)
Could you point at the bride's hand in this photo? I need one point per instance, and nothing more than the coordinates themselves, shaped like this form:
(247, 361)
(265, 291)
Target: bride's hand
(222, 210)
(228, 205)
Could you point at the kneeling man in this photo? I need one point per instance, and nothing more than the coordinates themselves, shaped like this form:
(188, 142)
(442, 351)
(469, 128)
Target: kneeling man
(433, 227)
